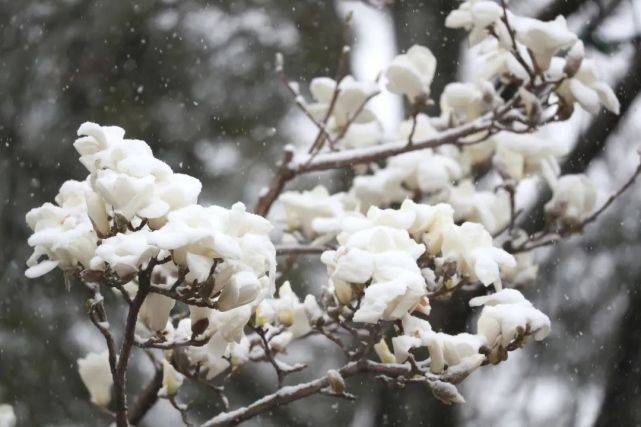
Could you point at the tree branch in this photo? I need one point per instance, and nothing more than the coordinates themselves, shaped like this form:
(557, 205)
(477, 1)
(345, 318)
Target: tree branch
(147, 398)
(120, 375)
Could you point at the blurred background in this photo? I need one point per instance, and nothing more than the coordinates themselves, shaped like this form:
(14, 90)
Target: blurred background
(195, 80)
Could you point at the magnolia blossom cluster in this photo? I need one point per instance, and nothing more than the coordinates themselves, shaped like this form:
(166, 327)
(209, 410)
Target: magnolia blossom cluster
(507, 318)
(390, 256)
(133, 209)
(411, 228)
(530, 52)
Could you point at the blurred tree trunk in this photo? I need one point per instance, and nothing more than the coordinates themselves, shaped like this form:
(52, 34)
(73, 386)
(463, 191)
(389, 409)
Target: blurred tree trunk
(423, 22)
(621, 404)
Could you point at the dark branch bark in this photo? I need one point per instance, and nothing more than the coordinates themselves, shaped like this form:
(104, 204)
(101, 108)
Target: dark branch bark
(120, 376)
(147, 398)
(621, 404)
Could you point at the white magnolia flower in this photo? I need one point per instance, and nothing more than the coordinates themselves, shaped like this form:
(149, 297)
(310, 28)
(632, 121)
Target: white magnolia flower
(525, 271)
(475, 16)
(7, 416)
(492, 209)
(155, 310)
(361, 135)
(544, 39)
(225, 329)
(171, 379)
(422, 130)
(197, 236)
(174, 192)
(349, 105)
(518, 155)
(125, 193)
(382, 188)
(124, 253)
(302, 208)
(288, 310)
(463, 102)
(573, 199)
(506, 314)
(444, 349)
(95, 373)
(397, 287)
(426, 171)
(498, 60)
(452, 350)
(376, 252)
(470, 246)
(586, 89)
(431, 223)
(411, 73)
(129, 178)
(65, 237)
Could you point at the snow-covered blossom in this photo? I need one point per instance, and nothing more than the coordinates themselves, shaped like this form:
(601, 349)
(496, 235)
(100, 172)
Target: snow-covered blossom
(505, 315)
(126, 182)
(426, 170)
(226, 343)
(498, 60)
(360, 135)
(302, 208)
(124, 253)
(573, 199)
(411, 73)
(462, 102)
(171, 379)
(445, 350)
(470, 245)
(348, 106)
(492, 209)
(475, 16)
(128, 177)
(287, 309)
(230, 245)
(377, 254)
(63, 234)
(95, 373)
(544, 39)
(518, 155)
(382, 188)
(586, 88)
(7, 416)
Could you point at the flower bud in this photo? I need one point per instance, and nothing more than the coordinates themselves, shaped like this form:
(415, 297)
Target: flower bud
(336, 381)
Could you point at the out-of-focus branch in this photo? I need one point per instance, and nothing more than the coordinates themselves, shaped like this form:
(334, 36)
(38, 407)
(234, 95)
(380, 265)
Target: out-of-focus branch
(286, 250)
(147, 398)
(560, 7)
(622, 390)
